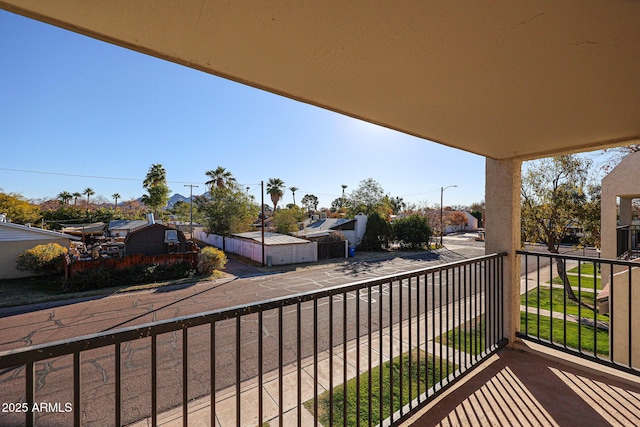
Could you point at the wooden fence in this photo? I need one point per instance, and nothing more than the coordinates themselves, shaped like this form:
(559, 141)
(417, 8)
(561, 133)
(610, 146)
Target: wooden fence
(127, 261)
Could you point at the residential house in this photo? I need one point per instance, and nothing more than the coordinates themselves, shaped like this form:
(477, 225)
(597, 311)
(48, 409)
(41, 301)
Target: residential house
(353, 229)
(15, 239)
(121, 228)
(155, 239)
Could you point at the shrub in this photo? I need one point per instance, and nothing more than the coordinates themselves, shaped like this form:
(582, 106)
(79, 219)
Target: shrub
(377, 234)
(42, 259)
(104, 277)
(412, 232)
(210, 259)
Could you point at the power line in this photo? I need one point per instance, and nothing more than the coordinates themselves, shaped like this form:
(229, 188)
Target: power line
(85, 176)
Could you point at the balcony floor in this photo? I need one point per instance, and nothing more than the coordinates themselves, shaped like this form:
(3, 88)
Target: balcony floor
(537, 387)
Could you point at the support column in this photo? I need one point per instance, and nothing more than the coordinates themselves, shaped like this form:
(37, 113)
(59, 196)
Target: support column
(502, 201)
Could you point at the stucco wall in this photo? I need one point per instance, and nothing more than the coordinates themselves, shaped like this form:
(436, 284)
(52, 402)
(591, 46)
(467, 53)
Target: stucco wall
(9, 252)
(620, 316)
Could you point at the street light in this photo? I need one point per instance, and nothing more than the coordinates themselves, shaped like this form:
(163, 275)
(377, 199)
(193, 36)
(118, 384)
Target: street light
(441, 212)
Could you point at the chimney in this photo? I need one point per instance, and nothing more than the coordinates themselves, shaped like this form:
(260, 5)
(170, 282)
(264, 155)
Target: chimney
(150, 219)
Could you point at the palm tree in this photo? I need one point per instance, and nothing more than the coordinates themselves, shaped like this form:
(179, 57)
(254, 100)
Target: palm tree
(75, 198)
(274, 189)
(115, 196)
(156, 175)
(293, 190)
(64, 197)
(220, 177)
(344, 186)
(88, 192)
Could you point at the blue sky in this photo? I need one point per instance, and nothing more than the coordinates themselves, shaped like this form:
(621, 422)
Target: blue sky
(71, 105)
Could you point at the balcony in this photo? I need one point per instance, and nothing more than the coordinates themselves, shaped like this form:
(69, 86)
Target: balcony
(435, 336)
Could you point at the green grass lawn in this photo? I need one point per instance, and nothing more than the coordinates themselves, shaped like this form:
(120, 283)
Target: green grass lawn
(586, 268)
(472, 337)
(586, 282)
(430, 368)
(529, 325)
(558, 302)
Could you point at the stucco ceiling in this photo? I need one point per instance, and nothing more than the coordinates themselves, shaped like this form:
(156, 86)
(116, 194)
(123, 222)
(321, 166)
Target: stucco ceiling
(498, 78)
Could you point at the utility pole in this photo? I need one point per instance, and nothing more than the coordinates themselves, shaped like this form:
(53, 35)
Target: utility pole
(441, 210)
(191, 208)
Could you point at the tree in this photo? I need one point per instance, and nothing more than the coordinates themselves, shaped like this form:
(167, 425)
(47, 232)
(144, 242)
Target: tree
(293, 191)
(155, 176)
(76, 196)
(396, 204)
(412, 232)
(18, 209)
(552, 201)
(88, 192)
(274, 189)
(455, 219)
(115, 196)
(220, 177)
(156, 185)
(229, 210)
(310, 202)
(64, 197)
(378, 233)
(367, 198)
(286, 220)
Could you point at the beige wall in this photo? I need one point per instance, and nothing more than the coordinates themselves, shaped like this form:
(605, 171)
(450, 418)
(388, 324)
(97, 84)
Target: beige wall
(9, 252)
(620, 316)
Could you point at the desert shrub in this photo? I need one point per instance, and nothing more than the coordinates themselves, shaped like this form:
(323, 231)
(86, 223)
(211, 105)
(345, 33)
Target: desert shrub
(210, 259)
(412, 232)
(42, 259)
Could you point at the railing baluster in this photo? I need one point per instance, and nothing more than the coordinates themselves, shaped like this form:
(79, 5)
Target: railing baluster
(315, 363)
(629, 301)
(381, 357)
(185, 379)
(280, 368)
(391, 382)
(299, 359)
(238, 372)
(401, 352)
(418, 338)
(30, 389)
(261, 369)
(331, 360)
(212, 368)
(76, 389)
(345, 358)
(357, 359)
(409, 314)
(118, 383)
(154, 380)
(369, 355)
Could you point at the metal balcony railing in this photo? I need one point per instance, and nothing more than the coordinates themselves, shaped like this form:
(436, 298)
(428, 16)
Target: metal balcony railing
(584, 306)
(396, 343)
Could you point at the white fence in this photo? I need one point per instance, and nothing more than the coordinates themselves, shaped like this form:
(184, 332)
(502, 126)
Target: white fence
(294, 253)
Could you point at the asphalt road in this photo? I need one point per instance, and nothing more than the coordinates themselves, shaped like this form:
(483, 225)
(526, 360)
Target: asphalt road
(59, 322)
